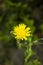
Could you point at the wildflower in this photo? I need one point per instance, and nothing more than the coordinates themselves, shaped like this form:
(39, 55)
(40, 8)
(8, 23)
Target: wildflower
(21, 32)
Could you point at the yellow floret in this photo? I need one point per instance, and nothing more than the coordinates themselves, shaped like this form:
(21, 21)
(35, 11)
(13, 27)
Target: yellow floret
(21, 32)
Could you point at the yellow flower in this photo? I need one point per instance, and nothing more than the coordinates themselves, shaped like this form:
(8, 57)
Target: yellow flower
(21, 32)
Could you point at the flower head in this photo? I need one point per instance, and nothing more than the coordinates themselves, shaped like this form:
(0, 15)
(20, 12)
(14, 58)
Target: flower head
(21, 32)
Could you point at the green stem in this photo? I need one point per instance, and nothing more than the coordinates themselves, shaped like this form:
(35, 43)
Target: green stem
(29, 53)
(18, 44)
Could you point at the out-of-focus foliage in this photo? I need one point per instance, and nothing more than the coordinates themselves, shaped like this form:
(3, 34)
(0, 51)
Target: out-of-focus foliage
(34, 62)
(13, 12)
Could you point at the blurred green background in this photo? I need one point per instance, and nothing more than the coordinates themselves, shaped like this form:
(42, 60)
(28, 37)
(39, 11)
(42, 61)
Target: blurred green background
(13, 12)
